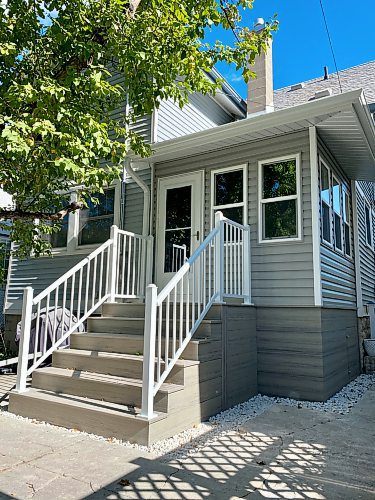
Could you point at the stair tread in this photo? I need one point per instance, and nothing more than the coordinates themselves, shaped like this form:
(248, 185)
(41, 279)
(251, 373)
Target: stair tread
(104, 407)
(104, 378)
(130, 336)
(132, 318)
(118, 355)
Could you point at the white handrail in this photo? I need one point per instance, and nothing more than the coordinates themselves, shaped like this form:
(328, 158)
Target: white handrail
(116, 269)
(219, 267)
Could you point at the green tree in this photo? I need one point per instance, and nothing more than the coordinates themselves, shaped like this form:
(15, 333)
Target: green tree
(56, 62)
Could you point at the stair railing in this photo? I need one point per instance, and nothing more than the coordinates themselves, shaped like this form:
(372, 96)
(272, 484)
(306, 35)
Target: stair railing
(219, 268)
(118, 268)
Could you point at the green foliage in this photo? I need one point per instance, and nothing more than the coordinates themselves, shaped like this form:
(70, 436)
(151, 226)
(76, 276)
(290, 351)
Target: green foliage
(57, 98)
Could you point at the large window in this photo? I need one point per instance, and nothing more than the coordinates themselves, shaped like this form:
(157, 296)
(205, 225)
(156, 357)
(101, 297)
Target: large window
(59, 239)
(335, 212)
(229, 193)
(325, 196)
(346, 220)
(337, 220)
(279, 197)
(95, 222)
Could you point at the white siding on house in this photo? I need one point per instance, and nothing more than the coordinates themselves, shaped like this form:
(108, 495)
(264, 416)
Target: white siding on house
(201, 113)
(337, 270)
(282, 273)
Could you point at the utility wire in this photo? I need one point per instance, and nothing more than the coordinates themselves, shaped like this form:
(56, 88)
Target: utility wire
(330, 42)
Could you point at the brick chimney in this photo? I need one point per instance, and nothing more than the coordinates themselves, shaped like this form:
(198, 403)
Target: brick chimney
(260, 89)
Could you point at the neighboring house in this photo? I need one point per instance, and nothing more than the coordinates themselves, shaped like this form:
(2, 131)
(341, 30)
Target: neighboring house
(296, 181)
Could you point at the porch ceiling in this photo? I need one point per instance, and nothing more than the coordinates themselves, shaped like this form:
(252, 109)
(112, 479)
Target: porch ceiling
(343, 123)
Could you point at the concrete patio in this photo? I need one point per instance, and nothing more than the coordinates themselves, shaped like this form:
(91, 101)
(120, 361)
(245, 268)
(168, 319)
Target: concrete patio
(285, 453)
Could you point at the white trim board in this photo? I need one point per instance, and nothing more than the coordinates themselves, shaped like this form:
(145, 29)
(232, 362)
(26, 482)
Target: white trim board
(315, 219)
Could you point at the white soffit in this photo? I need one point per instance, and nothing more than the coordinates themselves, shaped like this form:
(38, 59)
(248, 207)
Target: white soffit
(343, 123)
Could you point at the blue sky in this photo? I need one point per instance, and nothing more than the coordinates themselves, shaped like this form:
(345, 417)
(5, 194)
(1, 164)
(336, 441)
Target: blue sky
(301, 47)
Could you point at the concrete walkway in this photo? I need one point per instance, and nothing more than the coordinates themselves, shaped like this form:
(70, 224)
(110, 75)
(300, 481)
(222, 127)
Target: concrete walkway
(284, 453)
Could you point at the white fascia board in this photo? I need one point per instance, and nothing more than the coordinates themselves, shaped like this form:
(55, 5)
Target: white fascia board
(308, 111)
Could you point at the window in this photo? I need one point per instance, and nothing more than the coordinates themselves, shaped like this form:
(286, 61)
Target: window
(280, 217)
(95, 222)
(325, 196)
(229, 193)
(368, 225)
(337, 219)
(335, 211)
(346, 221)
(60, 238)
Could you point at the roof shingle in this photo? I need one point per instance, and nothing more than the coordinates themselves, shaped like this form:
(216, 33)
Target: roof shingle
(362, 76)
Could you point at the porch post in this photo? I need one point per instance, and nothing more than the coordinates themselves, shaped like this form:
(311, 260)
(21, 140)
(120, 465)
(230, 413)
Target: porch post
(23, 352)
(246, 266)
(147, 410)
(113, 264)
(219, 257)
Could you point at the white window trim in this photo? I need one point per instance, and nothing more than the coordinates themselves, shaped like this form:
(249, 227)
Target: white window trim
(73, 226)
(366, 203)
(297, 196)
(243, 204)
(324, 164)
(339, 183)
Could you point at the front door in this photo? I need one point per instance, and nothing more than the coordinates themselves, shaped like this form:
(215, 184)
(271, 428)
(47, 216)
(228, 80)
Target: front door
(179, 222)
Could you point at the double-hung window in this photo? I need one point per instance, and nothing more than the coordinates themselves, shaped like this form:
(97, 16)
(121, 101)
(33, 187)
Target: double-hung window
(95, 222)
(337, 213)
(325, 197)
(346, 221)
(368, 224)
(279, 199)
(228, 193)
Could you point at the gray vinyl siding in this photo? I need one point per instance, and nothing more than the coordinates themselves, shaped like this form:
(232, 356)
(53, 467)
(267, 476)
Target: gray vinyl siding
(337, 271)
(133, 200)
(201, 113)
(37, 273)
(142, 126)
(366, 254)
(282, 273)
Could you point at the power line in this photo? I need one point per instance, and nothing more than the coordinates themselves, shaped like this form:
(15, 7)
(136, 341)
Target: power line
(330, 42)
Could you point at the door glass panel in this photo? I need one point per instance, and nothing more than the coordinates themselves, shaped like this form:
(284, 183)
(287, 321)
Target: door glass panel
(177, 227)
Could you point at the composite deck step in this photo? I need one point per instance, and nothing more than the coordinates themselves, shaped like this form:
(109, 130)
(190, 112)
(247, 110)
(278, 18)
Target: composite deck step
(137, 310)
(112, 363)
(99, 386)
(125, 343)
(85, 414)
(130, 325)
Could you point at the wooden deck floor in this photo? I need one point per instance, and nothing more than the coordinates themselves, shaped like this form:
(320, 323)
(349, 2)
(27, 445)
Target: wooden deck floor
(7, 383)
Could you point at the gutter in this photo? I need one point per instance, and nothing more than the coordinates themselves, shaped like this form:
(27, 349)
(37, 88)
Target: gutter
(304, 112)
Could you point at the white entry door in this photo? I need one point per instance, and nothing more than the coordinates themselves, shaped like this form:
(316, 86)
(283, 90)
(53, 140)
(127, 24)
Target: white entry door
(179, 222)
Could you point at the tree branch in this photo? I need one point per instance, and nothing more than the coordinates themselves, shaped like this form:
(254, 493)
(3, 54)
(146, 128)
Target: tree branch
(58, 216)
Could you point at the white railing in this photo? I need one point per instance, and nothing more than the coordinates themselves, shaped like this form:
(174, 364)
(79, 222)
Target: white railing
(220, 267)
(178, 257)
(119, 268)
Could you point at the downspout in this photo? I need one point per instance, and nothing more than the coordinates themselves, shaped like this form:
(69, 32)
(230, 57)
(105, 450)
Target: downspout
(146, 196)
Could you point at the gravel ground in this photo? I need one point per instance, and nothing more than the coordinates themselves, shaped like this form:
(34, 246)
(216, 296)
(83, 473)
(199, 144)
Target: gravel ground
(188, 442)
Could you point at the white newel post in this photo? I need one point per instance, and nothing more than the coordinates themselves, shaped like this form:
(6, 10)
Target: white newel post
(113, 264)
(147, 410)
(219, 256)
(247, 266)
(23, 352)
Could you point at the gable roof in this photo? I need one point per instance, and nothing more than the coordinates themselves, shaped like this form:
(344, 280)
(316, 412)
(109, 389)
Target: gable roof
(361, 76)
